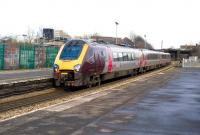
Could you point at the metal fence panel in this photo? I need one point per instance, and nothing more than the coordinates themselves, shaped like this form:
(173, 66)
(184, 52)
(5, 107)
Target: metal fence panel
(11, 57)
(193, 61)
(51, 53)
(40, 57)
(27, 57)
(1, 56)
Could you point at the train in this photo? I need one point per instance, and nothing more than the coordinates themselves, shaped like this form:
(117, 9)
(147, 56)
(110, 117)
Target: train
(84, 63)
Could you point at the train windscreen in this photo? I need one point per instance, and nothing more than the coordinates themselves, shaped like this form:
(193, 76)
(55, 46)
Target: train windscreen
(71, 50)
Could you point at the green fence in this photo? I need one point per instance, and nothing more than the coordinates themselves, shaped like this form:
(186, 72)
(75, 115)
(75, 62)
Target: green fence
(1, 56)
(51, 53)
(27, 57)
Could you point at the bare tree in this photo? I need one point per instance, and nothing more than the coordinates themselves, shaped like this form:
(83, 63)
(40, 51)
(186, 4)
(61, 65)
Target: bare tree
(96, 34)
(30, 35)
(86, 36)
(132, 36)
(171, 47)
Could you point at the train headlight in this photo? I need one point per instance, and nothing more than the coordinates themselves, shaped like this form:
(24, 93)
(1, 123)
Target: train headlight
(77, 67)
(55, 68)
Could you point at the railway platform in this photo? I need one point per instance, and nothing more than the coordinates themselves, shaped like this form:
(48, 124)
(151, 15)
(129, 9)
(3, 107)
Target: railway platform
(166, 103)
(8, 76)
(14, 82)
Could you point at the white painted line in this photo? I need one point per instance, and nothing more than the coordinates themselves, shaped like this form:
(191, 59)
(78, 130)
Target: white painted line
(75, 102)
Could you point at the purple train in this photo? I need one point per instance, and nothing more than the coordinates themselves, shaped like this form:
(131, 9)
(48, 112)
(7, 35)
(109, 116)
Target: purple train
(81, 63)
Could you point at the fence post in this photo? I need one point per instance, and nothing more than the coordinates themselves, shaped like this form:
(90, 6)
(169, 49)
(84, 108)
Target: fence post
(19, 66)
(33, 56)
(46, 49)
(2, 60)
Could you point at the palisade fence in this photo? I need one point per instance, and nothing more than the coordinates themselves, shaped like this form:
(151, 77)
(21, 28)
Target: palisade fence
(193, 61)
(27, 56)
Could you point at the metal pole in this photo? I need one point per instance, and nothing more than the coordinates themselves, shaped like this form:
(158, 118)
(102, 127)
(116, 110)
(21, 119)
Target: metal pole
(161, 44)
(116, 30)
(145, 41)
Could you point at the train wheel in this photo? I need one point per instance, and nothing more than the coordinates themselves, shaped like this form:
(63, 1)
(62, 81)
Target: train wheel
(132, 73)
(56, 83)
(99, 81)
(89, 85)
(135, 72)
(141, 70)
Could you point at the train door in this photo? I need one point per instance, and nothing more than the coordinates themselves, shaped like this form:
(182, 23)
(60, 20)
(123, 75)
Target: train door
(136, 56)
(99, 60)
(110, 62)
(89, 64)
(141, 58)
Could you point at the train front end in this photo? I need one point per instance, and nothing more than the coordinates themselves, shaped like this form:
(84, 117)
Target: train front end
(67, 65)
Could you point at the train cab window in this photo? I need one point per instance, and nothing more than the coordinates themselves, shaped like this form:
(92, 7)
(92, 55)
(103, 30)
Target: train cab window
(72, 50)
(120, 56)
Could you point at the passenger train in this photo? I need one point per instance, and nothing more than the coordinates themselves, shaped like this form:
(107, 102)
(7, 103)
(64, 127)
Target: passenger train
(82, 63)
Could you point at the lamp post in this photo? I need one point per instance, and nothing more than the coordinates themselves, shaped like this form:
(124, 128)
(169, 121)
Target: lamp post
(161, 44)
(116, 23)
(145, 41)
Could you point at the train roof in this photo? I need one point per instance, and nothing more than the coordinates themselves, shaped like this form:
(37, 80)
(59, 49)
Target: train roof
(93, 43)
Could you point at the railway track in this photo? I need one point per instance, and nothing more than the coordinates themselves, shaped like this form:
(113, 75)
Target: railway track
(59, 93)
(30, 101)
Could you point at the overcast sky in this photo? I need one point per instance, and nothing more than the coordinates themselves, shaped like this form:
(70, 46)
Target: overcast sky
(175, 22)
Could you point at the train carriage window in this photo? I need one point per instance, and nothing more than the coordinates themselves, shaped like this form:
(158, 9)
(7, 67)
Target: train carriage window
(120, 56)
(163, 56)
(148, 56)
(154, 56)
(130, 57)
(137, 56)
(125, 56)
(102, 54)
(115, 57)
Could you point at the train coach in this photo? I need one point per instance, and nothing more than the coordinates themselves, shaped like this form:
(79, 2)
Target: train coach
(82, 63)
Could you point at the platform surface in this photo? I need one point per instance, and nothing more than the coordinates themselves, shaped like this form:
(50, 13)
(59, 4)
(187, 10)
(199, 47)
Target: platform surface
(168, 104)
(17, 75)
